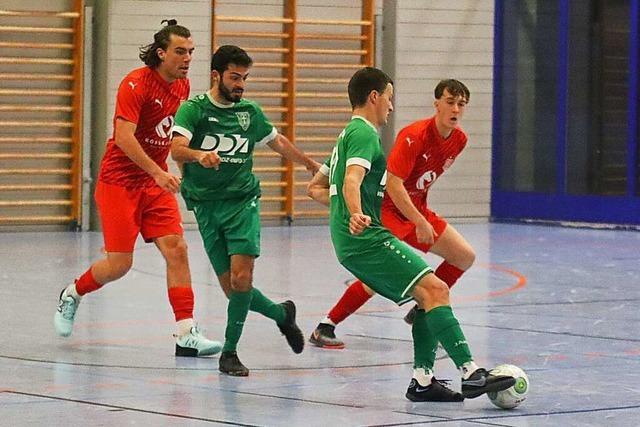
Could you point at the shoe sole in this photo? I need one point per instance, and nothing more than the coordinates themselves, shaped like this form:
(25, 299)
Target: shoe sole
(192, 352)
(235, 373)
(494, 387)
(326, 346)
(414, 398)
(63, 334)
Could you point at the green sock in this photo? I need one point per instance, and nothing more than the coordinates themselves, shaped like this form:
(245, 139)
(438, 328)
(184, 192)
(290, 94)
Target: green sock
(266, 307)
(237, 310)
(424, 343)
(445, 328)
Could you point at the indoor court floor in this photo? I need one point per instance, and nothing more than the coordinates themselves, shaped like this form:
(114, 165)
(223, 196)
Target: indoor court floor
(562, 303)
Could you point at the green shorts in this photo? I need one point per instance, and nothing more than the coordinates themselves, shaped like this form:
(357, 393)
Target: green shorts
(228, 227)
(388, 266)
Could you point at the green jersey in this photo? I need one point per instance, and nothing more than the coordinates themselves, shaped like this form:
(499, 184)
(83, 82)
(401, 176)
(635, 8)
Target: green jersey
(358, 144)
(232, 131)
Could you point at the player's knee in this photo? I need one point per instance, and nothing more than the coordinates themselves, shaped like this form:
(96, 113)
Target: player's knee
(177, 252)
(437, 292)
(468, 258)
(119, 267)
(464, 257)
(241, 280)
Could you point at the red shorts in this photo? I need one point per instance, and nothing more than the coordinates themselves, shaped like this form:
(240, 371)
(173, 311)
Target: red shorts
(125, 213)
(405, 230)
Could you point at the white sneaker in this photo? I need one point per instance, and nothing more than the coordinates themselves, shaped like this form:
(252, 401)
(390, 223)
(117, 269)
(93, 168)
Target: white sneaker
(65, 314)
(194, 344)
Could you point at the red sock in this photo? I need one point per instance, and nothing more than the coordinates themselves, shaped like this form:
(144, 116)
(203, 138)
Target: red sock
(86, 283)
(448, 273)
(181, 299)
(352, 299)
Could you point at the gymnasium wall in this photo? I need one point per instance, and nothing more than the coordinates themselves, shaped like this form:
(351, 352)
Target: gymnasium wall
(428, 40)
(440, 39)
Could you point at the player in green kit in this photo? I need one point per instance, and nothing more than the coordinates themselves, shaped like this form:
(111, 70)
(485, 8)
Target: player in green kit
(213, 141)
(354, 189)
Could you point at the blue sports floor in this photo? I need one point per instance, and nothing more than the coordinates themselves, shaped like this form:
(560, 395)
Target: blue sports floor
(561, 303)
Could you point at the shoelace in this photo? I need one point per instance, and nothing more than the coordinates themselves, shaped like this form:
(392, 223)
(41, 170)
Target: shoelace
(443, 382)
(68, 308)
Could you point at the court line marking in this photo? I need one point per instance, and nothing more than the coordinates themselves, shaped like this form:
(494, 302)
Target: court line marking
(534, 303)
(208, 368)
(129, 408)
(506, 416)
(535, 331)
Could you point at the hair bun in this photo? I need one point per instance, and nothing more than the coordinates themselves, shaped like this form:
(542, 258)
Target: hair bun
(169, 21)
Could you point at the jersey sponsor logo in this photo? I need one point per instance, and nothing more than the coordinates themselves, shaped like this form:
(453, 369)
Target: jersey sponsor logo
(225, 144)
(163, 129)
(157, 101)
(426, 180)
(213, 119)
(244, 119)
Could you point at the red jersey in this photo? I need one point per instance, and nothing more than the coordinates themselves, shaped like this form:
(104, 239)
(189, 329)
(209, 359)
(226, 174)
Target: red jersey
(419, 156)
(149, 101)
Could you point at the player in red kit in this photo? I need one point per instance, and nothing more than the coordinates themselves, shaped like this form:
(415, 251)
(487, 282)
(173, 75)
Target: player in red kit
(422, 152)
(134, 193)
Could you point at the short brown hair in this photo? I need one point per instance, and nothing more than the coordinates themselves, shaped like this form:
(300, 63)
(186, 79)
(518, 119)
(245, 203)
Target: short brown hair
(364, 81)
(454, 87)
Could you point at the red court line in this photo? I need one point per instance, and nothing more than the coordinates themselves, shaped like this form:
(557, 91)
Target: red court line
(520, 283)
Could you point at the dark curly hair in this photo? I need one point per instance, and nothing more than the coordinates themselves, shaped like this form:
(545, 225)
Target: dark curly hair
(229, 54)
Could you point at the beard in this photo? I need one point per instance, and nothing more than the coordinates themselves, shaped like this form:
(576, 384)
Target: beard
(227, 94)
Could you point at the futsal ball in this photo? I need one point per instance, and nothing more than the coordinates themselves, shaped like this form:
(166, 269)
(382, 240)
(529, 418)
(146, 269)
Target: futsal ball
(514, 395)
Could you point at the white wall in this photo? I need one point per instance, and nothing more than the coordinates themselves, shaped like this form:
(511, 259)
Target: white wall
(437, 39)
(427, 41)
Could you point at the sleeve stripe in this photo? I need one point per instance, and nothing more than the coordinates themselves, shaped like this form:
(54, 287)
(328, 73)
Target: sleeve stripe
(182, 131)
(359, 161)
(324, 170)
(267, 139)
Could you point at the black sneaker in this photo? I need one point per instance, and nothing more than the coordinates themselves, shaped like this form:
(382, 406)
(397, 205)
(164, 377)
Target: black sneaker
(324, 336)
(483, 381)
(290, 330)
(411, 315)
(231, 365)
(437, 391)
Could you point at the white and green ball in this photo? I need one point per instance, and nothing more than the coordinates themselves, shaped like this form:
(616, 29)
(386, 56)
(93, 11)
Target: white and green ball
(514, 395)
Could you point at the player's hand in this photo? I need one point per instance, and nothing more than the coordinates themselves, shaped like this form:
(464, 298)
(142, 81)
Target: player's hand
(358, 222)
(209, 159)
(167, 182)
(313, 167)
(425, 233)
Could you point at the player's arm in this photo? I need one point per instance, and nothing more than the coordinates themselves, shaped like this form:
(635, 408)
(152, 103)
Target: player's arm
(318, 187)
(353, 178)
(401, 199)
(281, 145)
(181, 153)
(126, 140)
